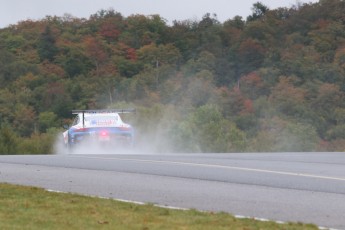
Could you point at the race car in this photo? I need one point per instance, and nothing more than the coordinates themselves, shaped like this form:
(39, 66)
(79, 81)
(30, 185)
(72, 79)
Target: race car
(100, 127)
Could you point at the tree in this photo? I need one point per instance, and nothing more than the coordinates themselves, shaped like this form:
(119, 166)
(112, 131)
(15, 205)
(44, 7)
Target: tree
(208, 33)
(288, 99)
(155, 56)
(7, 100)
(46, 47)
(199, 90)
(143, 30)
(285, 66)
(234, 103)
(158, 60)
(74, 61)
(259, 10)
(14, 43)
(205, 61)
(279, 135)
(57, 100)
(47, 120)
(8, 140)
(24, 120)
(328, 99)
(252, 85)
(111, 28)
(95, 53)
(182, 35)
(206, 130)
(251, 55)
(49, 69)
(6, 58)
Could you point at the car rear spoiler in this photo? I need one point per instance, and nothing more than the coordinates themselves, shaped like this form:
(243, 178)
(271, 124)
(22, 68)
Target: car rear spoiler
(102, 111)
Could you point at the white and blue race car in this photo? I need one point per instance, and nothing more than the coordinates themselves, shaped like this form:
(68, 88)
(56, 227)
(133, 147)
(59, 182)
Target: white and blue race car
(99, 126)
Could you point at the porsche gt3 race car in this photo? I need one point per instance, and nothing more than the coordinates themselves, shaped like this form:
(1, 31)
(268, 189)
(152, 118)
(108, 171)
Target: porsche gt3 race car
(99, 127)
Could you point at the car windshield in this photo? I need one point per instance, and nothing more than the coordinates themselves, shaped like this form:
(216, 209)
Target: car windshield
(110, 120)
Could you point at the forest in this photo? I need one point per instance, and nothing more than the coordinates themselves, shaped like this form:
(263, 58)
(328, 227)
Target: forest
(271, 82)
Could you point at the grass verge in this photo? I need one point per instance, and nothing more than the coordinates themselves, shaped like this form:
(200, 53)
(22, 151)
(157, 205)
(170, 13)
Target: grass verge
(35, 208)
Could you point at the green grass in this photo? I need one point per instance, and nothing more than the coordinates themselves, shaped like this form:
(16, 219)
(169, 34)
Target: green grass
(34, 208)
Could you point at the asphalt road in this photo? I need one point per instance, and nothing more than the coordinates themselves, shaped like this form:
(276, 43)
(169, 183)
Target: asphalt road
(298, 187)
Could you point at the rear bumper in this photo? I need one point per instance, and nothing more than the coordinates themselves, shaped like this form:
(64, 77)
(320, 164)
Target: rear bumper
(92, 138)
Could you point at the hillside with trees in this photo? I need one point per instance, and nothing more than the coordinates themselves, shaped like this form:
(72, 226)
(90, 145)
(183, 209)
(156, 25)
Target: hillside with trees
(274, 81)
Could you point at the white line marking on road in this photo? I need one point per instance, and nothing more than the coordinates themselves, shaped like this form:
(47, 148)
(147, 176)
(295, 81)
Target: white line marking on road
(219, 166)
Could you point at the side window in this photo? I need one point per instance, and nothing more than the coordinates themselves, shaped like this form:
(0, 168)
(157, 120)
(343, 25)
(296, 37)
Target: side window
(76, 120)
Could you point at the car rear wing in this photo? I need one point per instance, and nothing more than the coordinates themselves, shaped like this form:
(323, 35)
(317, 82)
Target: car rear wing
(101, 111)
(104, 111)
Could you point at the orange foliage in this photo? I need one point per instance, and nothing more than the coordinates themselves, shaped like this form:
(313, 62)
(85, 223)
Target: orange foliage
(248, 107)
(131, 54)
(322, 23)
(252, 80)
(94, 49)
(235, 101)
(285, 91)
(48, 68)
(109, 31)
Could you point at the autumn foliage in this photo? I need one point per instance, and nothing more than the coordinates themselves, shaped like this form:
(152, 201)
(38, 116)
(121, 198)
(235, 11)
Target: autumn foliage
(271, 82)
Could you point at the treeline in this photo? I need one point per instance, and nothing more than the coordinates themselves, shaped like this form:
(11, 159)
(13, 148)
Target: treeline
(271, 82)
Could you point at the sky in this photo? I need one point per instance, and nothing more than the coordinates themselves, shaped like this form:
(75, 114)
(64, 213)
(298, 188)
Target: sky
(13, 11)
